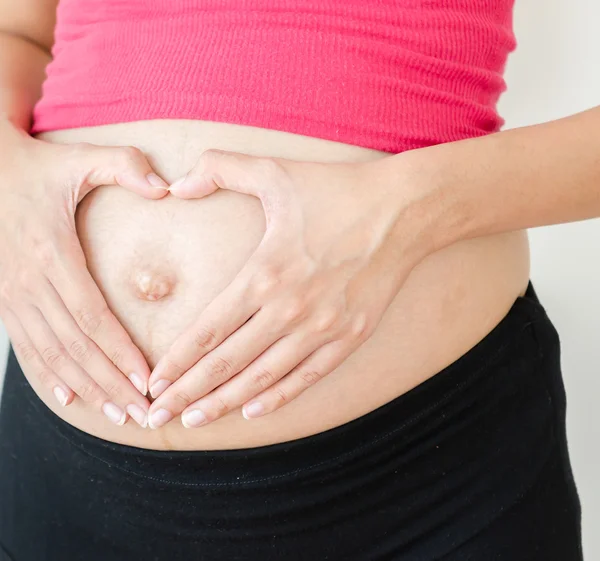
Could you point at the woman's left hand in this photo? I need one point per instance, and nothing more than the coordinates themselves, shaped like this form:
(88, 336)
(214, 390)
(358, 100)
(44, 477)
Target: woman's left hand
(337, 248)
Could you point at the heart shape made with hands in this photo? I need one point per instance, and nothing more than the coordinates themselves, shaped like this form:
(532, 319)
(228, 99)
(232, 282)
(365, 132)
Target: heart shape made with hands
(312, 292)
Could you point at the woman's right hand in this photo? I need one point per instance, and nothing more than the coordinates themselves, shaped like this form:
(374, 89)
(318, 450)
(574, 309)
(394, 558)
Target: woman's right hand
(60, 326)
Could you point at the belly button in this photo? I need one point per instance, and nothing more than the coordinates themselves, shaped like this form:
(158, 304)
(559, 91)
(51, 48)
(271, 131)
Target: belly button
(153, 286)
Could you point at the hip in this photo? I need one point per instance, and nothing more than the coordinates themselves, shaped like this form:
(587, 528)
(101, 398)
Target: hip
(470, 464)
(449, 303)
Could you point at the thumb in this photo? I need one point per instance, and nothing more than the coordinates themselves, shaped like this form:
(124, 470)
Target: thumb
(126, 166)
(218, 169)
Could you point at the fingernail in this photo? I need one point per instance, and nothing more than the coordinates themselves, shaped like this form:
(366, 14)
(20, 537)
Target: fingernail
(175, 185)
(139, 384)
(159, 418)
(137, 414)
(159, 387)
(156, 181)
(194, 418)
(61, 395)
(255, 409)
(114, 413)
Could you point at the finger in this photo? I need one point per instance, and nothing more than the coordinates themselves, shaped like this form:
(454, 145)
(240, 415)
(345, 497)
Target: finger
(314, 368)
(270, 367)
(219, 169)
(232, 356)
(31, 361)
(227, 312)
(58, 359)
(126, 166)
(90, 358)
(77, 290)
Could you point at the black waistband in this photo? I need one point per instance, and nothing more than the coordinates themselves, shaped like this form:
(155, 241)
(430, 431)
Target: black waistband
(392, 421)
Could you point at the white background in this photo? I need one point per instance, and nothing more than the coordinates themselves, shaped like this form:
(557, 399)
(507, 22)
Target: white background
(554, 72)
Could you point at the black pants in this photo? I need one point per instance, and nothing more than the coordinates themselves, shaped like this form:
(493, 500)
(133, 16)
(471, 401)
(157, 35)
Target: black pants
(470, 465)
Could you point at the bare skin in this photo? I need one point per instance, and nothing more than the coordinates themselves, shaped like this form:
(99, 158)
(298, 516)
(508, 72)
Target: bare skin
(159, 263)
(58, 328)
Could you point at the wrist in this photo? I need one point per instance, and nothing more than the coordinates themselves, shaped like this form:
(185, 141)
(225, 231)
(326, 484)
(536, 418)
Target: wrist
(427, 197)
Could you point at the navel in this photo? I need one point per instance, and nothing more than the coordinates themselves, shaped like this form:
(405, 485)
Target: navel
(153, 285)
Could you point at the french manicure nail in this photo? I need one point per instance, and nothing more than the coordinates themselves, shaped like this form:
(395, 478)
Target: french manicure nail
(61, 395)
(159, 387)
(137, 414)
(114, 413)
(156, 181)
(159, 418)
(255, 409)
(192, 419)
(139, 384)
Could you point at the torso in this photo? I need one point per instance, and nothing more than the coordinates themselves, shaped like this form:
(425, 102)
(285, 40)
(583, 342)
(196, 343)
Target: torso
(451, 300)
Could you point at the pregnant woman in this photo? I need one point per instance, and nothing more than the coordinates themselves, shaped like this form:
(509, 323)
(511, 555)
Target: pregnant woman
(265, 272)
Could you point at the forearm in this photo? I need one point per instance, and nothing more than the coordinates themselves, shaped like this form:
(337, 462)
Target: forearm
(521, 178)
(22, 72)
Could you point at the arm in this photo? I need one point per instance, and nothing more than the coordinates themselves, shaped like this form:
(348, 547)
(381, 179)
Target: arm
(521, 178)
(341, 240)
(26, 39)
(58, 322)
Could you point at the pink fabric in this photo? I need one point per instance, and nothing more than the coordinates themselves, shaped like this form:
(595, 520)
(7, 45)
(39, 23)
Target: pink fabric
(385, 74)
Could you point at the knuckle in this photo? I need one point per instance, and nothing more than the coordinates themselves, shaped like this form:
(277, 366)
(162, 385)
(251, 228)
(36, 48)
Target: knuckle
(360, 327)
(80, 351)
(268, 168)
(27, 351)
(45, 253)
(327, 319)
(114, 390)
(89, 321)
(210, 159)
(266, 281)
(54, 358)
(205, 338)
(117, 354)
(207, 158)
(310, 377)
(262, 378)
(130, 154)
(294, 309)
(219, 368)
(173, 366)
(45, 376)
(220, 407)
(26, 277)
(282, 396)
(88, 391)
(183, 398)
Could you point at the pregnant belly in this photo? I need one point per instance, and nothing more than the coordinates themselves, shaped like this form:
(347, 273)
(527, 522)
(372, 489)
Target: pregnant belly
(159, 263)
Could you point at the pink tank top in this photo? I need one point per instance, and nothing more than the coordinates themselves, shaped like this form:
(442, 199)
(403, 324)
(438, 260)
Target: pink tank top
(385, 74)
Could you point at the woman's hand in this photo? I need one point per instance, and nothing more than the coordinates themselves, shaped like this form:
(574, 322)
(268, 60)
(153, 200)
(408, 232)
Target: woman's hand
(58, 321)
(331, 261)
